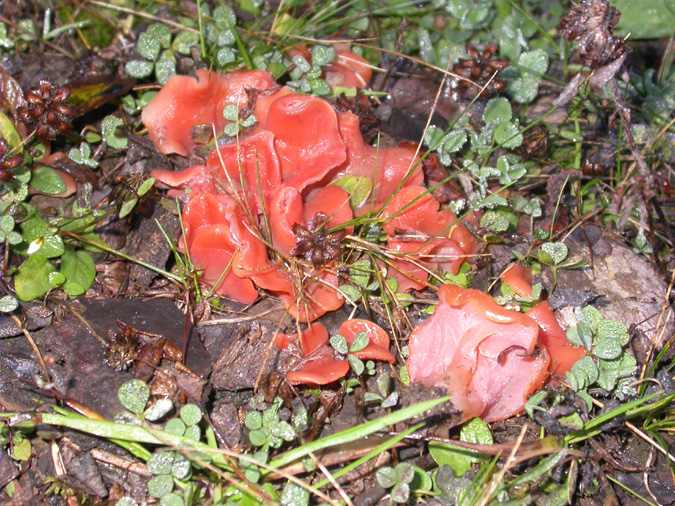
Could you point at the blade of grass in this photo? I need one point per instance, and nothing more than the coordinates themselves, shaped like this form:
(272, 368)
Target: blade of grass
(354, 433)
(134, 448)
(200, 24)
(592, 427)
(381, 448)
(200, 453)
(630, 491)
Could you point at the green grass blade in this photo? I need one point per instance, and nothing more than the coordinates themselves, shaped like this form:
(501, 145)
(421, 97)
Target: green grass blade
(354, 433)
(592, 427)
(377, 450)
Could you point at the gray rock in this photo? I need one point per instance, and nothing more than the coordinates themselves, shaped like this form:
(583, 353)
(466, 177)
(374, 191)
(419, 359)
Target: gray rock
(225, 420)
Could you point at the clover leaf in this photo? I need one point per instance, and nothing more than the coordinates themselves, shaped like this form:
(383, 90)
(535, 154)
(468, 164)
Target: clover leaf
(190, 414)
(8, 304)
(531, 67)
(82, 155)
(339, 344)
(553, 253)
(609, 362)
(109, 126)
(134, 395)
(497, 110)
(359, 188)
(459, 460)
(160, 486)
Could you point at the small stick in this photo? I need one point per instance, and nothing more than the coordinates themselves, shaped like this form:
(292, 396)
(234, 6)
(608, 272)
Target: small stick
(507, 465)
(120, 462)
(34, 346)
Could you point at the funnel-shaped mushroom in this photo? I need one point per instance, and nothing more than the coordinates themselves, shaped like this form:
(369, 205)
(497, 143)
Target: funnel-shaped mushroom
(483, 354)
(307, 138)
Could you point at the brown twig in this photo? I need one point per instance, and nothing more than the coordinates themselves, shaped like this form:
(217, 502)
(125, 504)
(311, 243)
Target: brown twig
(34, 346)
(120, 462)
(510, 462)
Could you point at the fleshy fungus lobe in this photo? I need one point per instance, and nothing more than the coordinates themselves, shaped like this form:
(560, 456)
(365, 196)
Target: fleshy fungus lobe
(185, 102)
(424, 238)
(519, 279)
(551, 335)
(318, 364)
(485, 355)
(349, 70)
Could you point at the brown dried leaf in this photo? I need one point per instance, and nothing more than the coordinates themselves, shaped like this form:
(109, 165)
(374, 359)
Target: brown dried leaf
(11, 94)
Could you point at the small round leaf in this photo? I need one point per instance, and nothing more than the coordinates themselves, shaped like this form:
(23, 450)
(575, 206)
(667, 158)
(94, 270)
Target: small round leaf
(8, 303)
(134, 395)
(339, 344)
(171, 499)
(139, 68)
(400, 493)
(160, 462)
(386, 477)
(607, 348)
(190, 414)
(257, 437)
(253, 420)
(193, 433)
(359, 343)
(497, 110)
(181, 467)
(294, 495)
(126, 501)
(175, 426)
(160, 486)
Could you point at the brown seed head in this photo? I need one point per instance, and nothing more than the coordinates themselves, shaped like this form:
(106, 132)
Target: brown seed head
(314, 244)
(479, 67)
(47, 110)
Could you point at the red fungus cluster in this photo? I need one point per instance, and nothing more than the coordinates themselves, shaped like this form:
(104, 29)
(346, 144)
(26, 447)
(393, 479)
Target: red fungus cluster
(266, 197)
(425, 238)
(264, 212)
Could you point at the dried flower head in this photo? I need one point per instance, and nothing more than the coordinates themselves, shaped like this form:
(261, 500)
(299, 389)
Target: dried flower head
(589, 23)
(535, 142)
(123, 350)
(479, 67)
(47, 110)
(314, 244)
